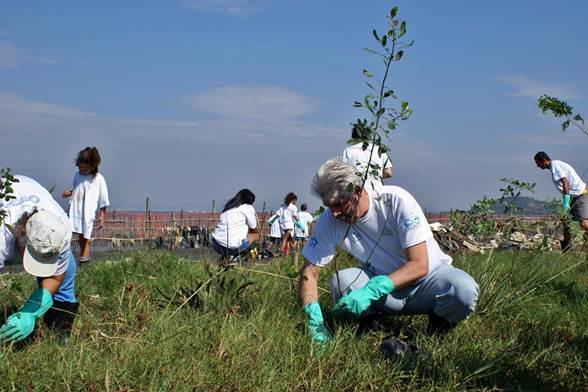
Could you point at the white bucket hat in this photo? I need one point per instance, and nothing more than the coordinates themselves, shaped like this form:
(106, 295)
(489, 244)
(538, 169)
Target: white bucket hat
(46, 237)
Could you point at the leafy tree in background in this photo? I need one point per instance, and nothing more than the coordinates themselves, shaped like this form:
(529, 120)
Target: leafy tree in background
(561, 109)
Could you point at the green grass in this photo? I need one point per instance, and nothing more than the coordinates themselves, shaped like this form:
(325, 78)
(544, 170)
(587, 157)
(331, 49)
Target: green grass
(245, 331)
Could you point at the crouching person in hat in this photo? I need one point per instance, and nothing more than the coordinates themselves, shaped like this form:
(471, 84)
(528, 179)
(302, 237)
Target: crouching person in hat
(402, 269)
(37, 232)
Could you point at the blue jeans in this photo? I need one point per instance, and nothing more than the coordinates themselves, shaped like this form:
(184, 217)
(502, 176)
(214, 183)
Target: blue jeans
(223, 250)
(66, 292)
(446, 291)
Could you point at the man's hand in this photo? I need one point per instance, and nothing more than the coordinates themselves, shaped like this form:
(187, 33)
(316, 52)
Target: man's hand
(315, 323)
(358, 301)
(66, 193)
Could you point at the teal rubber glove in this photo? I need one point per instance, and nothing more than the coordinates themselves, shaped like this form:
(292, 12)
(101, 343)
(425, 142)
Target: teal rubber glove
(566, 202)
(315, 323)
(299, 225)
(358, 301)
(20, 325)
(271, 220)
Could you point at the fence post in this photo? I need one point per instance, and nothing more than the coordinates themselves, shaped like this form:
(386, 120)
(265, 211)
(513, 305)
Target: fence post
(147, 217)
(262, 220)
(211, 217)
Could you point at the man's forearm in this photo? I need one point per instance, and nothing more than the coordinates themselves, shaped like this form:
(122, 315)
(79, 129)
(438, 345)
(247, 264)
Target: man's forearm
(565, 186)
(308, 284)
(408, 274)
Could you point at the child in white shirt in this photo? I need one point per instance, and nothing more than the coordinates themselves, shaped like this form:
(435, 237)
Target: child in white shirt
(89, 193)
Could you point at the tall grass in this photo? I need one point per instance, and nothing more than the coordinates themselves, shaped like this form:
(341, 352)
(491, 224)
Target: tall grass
(138, 329)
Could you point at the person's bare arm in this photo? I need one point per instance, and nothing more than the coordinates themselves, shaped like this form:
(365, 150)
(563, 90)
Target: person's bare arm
(565, 185)
(308, 283)
(387, 172)
(101, 215)
(52, 283)
(414, 269)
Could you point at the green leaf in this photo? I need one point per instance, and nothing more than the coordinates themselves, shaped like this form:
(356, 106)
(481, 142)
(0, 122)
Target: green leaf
(393, 12)
(402, 28)
(381, 111)
(357, 104)
(399, 55)
(388, 93)
(367, 73)
(384, 40)
(375, 33)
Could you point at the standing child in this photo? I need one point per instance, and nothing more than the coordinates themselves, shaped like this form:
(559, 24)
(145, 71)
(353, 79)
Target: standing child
(89, 194)
(288, 216)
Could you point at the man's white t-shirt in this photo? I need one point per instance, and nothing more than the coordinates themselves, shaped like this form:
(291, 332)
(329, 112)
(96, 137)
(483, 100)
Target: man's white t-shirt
(559, 170)
(359, 158)
(305, 218)
(29, 194)
(394, 222)
(287, 215)
(234, 224)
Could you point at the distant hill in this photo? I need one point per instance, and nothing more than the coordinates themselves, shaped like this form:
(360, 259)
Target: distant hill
(531, 206)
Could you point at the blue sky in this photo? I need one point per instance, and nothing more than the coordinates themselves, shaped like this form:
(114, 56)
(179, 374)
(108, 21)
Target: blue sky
(191, 100)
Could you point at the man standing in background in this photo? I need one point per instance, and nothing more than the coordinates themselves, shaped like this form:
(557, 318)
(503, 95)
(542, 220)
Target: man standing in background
(573, 190)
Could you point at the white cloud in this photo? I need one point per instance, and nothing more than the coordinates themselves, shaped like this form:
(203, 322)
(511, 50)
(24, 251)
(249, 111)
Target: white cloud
(45, 60)
(526, 87)
(234, 7)
(9, 55)
(272, 104)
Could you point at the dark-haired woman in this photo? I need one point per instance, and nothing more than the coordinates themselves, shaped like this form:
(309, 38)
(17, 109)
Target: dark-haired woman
(89, 194)
(288, 216)
(236, 230)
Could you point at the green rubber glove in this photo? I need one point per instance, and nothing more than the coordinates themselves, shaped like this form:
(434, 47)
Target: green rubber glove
(271, 220)
(20, 325)
(299, 225)
(315, 323)
(358, 301)
(566, 202)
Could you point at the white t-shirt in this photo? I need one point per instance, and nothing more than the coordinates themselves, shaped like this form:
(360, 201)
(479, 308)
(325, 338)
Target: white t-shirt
(89, 194)
(287, 215)
(394, 222)
(305, 219)
(234, 224)
(29, 194)
(359, 158)
(275, 231)
(560, 170)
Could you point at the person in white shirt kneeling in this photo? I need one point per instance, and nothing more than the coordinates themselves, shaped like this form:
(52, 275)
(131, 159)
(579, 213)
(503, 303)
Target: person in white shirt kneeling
(402, 269)
(236, 231)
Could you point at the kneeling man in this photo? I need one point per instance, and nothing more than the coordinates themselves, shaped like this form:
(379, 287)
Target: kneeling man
(402, 269)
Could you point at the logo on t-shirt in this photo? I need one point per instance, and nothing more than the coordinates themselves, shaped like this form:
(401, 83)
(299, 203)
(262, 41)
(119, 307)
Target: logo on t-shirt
(412, 223)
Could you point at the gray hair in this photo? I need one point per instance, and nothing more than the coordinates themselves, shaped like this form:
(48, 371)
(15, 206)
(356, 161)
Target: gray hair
(334, 181)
